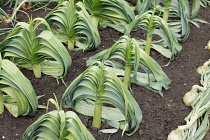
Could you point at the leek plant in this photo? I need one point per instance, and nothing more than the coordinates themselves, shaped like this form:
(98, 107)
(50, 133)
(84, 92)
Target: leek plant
(112, 13)
(168, 46)
(205, 3)
(147, 5)
(197, 122)
(96, 87)
(57, 125)
(127, 50)
(176, 13)
(42, 53)
(181, 9)
(16, 91)
(75, 26)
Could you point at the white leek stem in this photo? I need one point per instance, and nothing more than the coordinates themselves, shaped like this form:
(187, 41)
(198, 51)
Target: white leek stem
(37, 70)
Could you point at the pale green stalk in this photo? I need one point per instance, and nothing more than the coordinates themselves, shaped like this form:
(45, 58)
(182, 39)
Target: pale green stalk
(37, 70)
(150, 32)
(98, 105)
(128, 66)
(1, 103)
(165, 15)
(166, 11)
(95, 20)
(148, 41)
(71, 43)
(97, 114)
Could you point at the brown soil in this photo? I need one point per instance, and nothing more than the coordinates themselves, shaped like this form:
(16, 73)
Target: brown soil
(160, 114)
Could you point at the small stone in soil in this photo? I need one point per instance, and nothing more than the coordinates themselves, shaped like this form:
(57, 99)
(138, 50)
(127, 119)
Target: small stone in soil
(141, 132)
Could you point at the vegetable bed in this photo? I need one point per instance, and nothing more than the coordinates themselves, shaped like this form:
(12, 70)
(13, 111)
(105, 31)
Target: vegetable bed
(161, 115)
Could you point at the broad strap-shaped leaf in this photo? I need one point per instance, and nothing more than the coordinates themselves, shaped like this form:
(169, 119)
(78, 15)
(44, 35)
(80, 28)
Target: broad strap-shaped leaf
(55, 49)
(118, 10)
(180, 9)
(145, 6)
(154, 78)
(195, 8)
(86, 27)
(205, 3)
(7, 39)
(160, 27)
(43, 53)
(57, 125)
(100, 84)
(20, 98)
(160, 46)
(180, 14)
(112, 13)
(75, 26)
(168, 37)
(65, 17)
